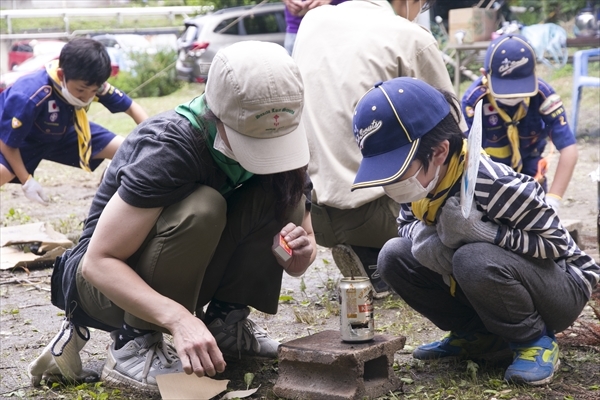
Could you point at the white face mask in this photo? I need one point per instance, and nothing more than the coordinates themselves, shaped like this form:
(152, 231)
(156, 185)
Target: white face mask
(222, 147)
(410, 189)
(511, 102)
(72, 100)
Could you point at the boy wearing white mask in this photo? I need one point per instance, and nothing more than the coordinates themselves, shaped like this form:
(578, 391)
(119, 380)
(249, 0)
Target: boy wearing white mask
(521, 113)
(506, 277)
(44, 116)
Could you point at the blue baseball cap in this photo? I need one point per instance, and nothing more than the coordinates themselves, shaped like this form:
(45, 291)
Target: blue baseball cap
(510, 67)
(389, 121)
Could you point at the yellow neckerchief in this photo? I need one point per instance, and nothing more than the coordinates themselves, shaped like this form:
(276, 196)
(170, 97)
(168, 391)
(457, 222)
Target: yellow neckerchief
(82, 125)
(426, 209)
(512, 132)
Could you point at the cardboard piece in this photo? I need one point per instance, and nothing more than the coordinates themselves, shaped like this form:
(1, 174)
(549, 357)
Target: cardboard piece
(478, 24)
(11, 257)
(189, 387)
(39, 234)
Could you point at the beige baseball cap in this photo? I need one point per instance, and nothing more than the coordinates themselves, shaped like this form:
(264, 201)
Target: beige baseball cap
(256, 90)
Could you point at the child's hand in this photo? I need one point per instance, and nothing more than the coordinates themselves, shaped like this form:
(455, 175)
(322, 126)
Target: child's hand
(454, 230)
(33, 191)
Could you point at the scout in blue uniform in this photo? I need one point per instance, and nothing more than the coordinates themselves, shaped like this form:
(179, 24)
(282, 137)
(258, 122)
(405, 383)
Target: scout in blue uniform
(520, 113)
(43, 116)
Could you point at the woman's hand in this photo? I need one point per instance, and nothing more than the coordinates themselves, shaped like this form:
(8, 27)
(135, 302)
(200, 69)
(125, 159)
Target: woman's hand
(196, 347)
(303, 245)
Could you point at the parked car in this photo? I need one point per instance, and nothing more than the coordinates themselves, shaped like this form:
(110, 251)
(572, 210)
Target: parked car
(24, 49)
(206, 34)
(120, 47)
(34, 64)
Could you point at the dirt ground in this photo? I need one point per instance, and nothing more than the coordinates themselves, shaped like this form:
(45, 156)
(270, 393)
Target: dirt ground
(308, 305)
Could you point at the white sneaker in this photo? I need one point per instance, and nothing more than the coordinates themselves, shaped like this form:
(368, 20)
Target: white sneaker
(139, 362)
(238, 335)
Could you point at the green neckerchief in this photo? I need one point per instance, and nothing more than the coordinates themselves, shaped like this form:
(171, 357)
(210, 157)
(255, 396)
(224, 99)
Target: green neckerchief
(236, 174)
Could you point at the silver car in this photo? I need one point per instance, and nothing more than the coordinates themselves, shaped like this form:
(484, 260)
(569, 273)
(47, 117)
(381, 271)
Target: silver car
(206, 34)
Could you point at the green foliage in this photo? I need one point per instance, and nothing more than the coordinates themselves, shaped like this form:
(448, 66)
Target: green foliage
(153, 76)
(218, 4)
(99, 23)
(540, 11)
(71, 224)
(15, 217)
(248, 378)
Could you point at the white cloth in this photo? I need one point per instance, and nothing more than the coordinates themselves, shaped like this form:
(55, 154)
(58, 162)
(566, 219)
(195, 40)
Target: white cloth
(342, 51)
(553, 202)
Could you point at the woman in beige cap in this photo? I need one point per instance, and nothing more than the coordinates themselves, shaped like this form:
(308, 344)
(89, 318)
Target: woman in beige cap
(186, 216)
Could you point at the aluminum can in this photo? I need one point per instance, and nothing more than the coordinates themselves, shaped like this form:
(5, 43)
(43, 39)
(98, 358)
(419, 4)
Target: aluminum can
(356, 310)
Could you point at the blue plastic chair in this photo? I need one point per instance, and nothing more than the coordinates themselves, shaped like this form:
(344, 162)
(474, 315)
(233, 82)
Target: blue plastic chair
(581, 79)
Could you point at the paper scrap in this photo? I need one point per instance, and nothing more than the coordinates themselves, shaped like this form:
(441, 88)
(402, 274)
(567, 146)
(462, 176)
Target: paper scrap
(181, 386)
(239, 394)
(11, 257)
(41, 232)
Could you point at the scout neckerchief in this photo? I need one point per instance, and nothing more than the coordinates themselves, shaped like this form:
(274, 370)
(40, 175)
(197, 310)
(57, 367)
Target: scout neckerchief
(82, 126)
(512, 132)
(193, 111)
(426, 209)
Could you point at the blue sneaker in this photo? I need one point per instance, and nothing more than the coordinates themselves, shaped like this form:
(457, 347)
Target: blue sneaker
(534, 362)
(462, 345)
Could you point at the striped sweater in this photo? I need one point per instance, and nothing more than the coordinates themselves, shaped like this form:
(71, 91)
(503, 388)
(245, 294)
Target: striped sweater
(527, 224)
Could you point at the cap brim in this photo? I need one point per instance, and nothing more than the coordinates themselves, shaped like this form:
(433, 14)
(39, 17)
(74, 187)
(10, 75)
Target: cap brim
(272, 155)
(507, 88)
(383, 169)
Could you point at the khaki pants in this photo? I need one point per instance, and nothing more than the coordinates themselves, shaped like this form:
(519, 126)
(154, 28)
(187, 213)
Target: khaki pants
(370, 225)
(206, 247)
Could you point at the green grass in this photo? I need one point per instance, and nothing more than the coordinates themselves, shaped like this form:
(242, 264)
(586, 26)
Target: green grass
(122, 124)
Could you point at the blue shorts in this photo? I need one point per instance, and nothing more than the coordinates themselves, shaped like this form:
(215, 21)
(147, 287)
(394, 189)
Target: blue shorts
(64, 151)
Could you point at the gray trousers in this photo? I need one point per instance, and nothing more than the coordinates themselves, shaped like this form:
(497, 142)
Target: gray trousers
(206, 247)
(510, 295)
(370, 225)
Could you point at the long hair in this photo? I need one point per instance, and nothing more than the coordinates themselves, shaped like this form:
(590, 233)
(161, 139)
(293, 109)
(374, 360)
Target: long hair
(288, 187)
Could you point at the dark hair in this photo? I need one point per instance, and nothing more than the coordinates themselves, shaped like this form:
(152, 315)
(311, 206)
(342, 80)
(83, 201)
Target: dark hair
(447, 129)
(428, 5)
(86, 60)
(288, 186)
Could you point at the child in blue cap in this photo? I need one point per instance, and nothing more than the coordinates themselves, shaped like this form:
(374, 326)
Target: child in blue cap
(507, 277)
(521, 113)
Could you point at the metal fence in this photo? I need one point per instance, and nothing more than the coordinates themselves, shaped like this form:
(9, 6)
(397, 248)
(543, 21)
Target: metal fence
(66, 13)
